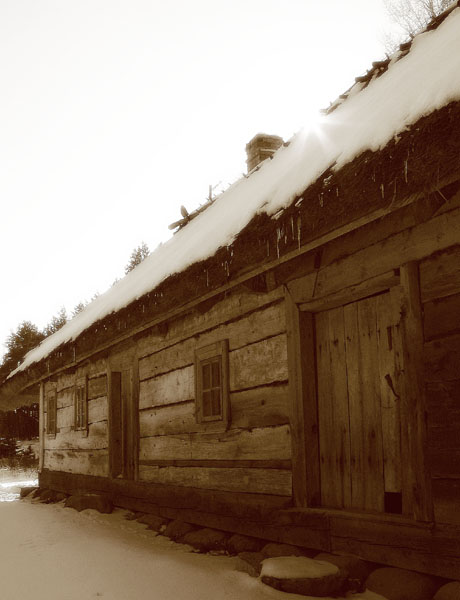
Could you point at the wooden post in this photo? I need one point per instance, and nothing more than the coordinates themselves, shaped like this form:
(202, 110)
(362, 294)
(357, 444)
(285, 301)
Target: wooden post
(303, 413)
(41, 428)
(413, 405)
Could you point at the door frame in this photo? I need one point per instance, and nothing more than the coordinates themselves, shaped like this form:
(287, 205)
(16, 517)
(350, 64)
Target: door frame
(300, 310)
(125, 361)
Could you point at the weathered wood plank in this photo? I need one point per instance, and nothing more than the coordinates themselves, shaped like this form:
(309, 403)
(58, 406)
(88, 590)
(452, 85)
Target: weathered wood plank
(98, 409)
(413, 404)
(247, 330)
(259, 364)
(440, 275)
(371, 413)
(236, 304)
(255, 481)
(97, 387)
(259, 407)
(65, 417)
(86, 462)
(416, 243)
(65, 397)
(442, 359)
(441, 317)
(221, 464)
(65, 381)
(176, 386)
(265, 443)
(389, 395)
(95, 438)
(446, 498)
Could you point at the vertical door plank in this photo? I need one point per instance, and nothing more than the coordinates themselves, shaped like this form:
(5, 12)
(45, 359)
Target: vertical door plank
(339, 406)
(389, 393)
(356, 410)
(413, 403)
(303, 405)
(116, 429)
(326, 439)
(369, 374)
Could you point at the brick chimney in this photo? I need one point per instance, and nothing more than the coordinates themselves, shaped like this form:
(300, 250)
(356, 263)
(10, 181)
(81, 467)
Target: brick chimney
(261, 146)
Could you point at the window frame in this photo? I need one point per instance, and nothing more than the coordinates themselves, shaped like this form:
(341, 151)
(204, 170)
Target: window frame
(51, 408)
(81, 406)
(218, 351)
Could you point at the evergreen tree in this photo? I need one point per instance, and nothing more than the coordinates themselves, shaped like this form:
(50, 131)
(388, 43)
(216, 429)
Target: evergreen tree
(137, 256)
(18, 343)
(56, 323)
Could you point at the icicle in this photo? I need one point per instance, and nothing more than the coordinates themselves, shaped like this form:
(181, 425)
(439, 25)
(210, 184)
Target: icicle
(382, 190)
(207, 277)
(292, 227)
(321, 201)
(405, 170)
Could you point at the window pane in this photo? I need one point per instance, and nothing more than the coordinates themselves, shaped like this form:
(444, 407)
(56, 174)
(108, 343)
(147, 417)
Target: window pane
(206, 375)
(216, 373)
(207, 404)
(216, 410)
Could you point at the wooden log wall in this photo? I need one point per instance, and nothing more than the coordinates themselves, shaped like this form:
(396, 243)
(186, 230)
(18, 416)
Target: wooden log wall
(76, 451)
(440, 292)
(252, 454)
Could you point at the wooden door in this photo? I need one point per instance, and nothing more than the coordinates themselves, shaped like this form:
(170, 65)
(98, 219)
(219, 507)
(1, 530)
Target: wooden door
(122, 425)
(358, 365)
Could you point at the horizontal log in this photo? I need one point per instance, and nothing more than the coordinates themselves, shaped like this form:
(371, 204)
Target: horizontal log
(260, 407)
(95, 437)
(442, 317)
(246, 330)
(446, 498)
(444, 462)
(224, 464)
(258, 444)
(86, 462)
(255, 481)
(97, 409)
(97, 386)
(176, 386)
(443, 403)
(236, 304)
(352, 293)
(65, 397)
(440, 275)
(442, 359)
(65, 417)
(65, 381)
(413, 244)
(250, 506)
(259, 364)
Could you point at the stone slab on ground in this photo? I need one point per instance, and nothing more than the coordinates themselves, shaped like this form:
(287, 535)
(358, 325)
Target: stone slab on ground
(153, 522)
(358, 570)
(206, 539)
(272, 550)
(250, 562)
(449, 591)
(304, 576)
(93, 501)
(176, 529)
(25, 491)
(243, 543)
(399, 584)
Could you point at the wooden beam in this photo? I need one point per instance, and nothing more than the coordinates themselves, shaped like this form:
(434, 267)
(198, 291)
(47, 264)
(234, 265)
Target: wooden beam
(413, 403)
(302, 393)
(221, 464)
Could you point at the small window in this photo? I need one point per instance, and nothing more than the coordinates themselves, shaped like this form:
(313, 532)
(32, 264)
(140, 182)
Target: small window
(81, 406)
(211, 382)
(51, 413)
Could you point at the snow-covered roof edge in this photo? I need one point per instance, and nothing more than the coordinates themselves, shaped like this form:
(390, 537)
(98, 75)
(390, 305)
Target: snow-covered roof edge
(424, 80)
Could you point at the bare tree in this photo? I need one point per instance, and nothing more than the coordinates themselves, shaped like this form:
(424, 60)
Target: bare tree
(412, 16)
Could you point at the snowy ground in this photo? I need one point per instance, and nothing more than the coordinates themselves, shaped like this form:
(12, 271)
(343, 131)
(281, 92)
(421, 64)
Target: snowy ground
(55, 553)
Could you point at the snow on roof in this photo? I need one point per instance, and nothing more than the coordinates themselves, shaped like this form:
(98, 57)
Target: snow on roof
(424, 80)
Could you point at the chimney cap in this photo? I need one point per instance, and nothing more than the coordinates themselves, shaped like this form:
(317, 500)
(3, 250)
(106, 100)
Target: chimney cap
(261, 147)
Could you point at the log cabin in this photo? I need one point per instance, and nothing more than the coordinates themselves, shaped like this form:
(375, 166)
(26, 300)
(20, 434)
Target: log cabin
(288, 364)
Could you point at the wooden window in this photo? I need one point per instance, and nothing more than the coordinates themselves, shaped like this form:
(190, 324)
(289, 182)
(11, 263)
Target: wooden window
(81, 406)
(211, 382)
(51, 413)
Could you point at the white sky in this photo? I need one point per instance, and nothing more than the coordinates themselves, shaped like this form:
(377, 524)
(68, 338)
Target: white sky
(113, 113)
